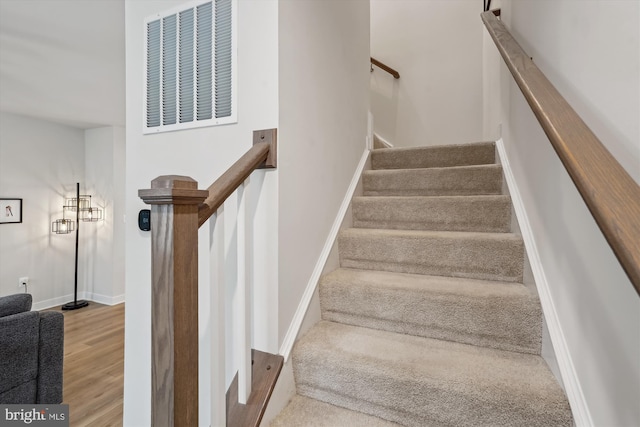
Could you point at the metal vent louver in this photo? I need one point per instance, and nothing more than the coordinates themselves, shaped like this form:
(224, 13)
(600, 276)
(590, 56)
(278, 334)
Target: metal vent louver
(190, 67)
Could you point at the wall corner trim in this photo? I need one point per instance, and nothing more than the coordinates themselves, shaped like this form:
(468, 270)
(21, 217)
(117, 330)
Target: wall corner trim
(573, 389)
(298, 317)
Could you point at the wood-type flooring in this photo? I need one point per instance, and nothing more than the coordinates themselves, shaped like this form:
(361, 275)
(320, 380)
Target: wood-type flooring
(94, 365)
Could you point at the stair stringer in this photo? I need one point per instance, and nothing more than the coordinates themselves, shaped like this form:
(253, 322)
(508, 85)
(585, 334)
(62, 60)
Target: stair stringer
(558, 356)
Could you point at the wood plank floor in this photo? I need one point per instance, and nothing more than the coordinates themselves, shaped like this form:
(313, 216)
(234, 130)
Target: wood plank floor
(94, 365)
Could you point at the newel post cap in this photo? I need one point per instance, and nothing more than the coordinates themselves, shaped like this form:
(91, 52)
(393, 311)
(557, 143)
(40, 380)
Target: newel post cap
(173, 190)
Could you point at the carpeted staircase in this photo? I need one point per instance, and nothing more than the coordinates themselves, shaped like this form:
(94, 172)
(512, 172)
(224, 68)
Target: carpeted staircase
(427, 322)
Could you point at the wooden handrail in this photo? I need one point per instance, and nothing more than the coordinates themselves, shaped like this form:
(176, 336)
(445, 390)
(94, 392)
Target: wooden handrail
(178, 209)
(385, 67)
(231, 179)
(612, 196)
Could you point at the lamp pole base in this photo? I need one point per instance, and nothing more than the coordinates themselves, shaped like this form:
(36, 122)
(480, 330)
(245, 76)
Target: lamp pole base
(74, 305)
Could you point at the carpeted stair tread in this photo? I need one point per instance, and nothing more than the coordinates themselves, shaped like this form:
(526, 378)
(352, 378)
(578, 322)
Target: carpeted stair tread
(500, 315)
(305, 412)
(451, 213)
(487, 256)
(418, 381)
(450, 181)
(434, 156)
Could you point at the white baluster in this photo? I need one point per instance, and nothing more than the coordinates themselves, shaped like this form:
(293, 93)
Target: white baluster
(243, 332)
(218, 390)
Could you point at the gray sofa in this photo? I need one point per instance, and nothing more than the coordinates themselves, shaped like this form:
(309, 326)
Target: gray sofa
(31, 352)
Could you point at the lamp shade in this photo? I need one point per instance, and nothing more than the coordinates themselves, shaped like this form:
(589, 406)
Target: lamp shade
(83, 202)
(88, 212)
(91, 214)
(62, 226)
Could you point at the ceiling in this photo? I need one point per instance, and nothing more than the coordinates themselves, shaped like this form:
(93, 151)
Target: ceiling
(63, 61)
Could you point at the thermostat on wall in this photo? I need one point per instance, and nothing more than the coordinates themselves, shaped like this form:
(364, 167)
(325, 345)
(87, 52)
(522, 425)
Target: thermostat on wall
(144, 220)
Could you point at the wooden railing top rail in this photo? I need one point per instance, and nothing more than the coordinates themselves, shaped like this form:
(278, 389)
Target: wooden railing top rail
(612, 196)
(262, 152)
(385, 67)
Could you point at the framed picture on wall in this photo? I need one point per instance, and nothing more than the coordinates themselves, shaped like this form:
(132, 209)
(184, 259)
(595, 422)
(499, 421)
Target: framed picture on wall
(10, 211)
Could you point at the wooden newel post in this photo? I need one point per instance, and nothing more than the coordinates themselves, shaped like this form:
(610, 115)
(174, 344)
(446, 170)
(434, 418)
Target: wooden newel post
(174, 204)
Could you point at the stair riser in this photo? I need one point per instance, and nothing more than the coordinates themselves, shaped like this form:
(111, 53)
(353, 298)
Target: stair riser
(506, 321)
(484, 213)
(403, 252)
(430, 157)
(466, 181)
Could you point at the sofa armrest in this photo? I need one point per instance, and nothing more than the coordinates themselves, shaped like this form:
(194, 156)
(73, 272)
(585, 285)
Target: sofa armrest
(19, 357)
(50, 357)
(14, 304)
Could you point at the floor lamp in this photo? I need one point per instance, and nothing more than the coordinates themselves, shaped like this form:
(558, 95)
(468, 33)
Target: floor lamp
(81, 205)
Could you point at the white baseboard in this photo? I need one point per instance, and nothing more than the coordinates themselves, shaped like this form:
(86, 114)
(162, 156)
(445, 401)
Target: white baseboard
(101, 299)
(369, 140)
(298, 317)
(104, 299)
(41, 305)
(573, 389)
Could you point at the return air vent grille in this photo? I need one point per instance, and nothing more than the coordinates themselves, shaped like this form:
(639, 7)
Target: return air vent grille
(190, 76)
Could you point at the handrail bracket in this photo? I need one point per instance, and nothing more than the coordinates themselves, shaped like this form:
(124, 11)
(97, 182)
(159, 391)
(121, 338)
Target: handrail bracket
(268, 136)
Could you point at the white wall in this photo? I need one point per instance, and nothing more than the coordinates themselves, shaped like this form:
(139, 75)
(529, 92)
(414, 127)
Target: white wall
(40, 162)
(436, 46)
(591, 52)
(321, 136)
(104, 246)
(202, 154)
(324, 99)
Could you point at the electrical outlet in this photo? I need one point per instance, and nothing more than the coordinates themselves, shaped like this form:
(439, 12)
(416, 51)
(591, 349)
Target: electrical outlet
(23, 281)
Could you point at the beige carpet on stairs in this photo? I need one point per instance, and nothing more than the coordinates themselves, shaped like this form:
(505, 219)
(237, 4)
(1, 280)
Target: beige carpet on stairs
(426, 322)
(486, 313)
(437, 213)
(453, 181)
(307, 412)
